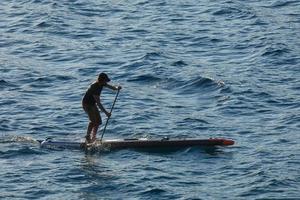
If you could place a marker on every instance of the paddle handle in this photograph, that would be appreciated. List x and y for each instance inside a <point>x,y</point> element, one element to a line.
<point>112,107</point>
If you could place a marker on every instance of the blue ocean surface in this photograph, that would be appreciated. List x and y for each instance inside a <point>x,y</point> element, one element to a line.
<point>189,69</point>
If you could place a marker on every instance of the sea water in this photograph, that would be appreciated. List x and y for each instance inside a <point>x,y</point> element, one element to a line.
<point>189,69</point>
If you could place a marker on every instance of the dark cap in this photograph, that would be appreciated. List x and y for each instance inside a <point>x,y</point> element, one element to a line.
<point>104,77</point>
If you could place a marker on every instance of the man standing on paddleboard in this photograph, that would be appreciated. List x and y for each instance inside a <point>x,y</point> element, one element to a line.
<point>90,102</point>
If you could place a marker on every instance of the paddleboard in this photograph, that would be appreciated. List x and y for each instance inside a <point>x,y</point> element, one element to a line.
<point>142,143</point>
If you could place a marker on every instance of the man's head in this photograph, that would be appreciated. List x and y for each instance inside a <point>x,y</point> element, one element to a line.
<point>103,78</point>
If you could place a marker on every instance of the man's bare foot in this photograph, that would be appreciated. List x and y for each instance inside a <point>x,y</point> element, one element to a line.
<point>88,139</point>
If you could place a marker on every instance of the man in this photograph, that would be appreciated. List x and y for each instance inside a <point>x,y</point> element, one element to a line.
<point>89,102</point>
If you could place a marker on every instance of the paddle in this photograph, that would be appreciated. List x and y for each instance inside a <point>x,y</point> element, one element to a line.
<point>112,107</point>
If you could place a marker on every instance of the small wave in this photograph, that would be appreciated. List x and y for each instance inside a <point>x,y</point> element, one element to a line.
<point>200,83</point>
<point>146,78</point>
<point>275,50</point>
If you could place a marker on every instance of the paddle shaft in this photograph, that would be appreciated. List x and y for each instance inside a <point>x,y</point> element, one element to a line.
<point>112,107</point>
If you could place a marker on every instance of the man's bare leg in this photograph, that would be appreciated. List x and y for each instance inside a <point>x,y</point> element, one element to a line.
<point>94,133</point>
<point>88,133</point>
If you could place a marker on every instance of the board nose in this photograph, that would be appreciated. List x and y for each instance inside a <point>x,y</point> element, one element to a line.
<point>228,142</point>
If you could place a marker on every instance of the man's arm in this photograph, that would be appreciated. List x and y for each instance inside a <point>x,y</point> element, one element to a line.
<point>113,87</point>
<point>100,106</point>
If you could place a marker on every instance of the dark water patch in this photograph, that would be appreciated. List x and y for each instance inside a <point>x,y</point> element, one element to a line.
<point>261,99</point>
<point>281,4</point>
<point>16,151</point>
<point>235,12</point>
<point>291,119</point>
<point>152,56</point>
<point>110,63</point>
<point>225,89</point>
<point>176,106</point>
<point>263,95</point>
<point>192,124</point>
<point>283,103</point>
<point>195,120</point>
<point>296,87</point>
<point>118,38</point>
<point>12,43</point>
<point>264,111</point>
<point>275,50</point>
<point>96,11</point>
<point>259,22</point>
<point>88,71</point>
<point>43,25</point>
<point>90,12</point>
<point>179,63</point>
<point>216,40</point>
<point>81,35</point>
<point>42,50</point>
<point>238,107</point>
<point>5,125</point>
<point>164,178</point>
<point>272,100</point>
<point>60,57</point>
<point>204,41</point>
<point>42,82</point>
<point>5,84</point>
<point>47,81</point>
<point>286,61</point>
<point>154,192</point>
<point>138,32</point>
<point>5,70</point>
<point>37,193</point>
<point>181,37</point>
<point>178,19</point>
<point>62,77</point>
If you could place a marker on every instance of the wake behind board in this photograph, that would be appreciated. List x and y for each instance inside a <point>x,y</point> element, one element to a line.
<point>143,143</point>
